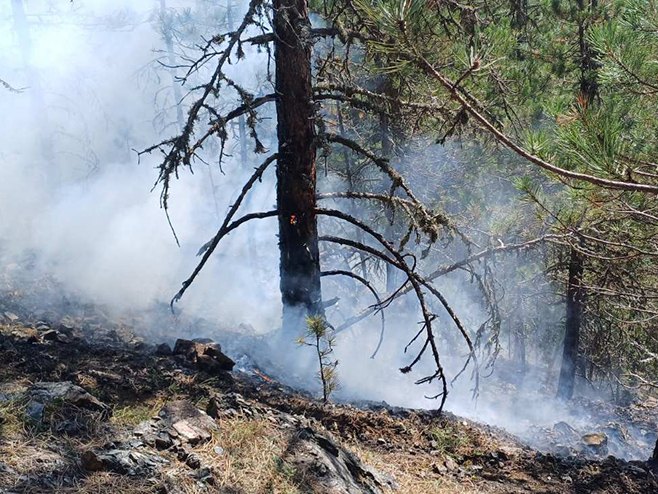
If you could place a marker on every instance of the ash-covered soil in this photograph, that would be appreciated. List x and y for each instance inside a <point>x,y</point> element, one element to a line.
<point>85,406</point>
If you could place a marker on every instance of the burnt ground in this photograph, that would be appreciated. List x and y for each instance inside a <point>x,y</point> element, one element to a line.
<point>127,419</point>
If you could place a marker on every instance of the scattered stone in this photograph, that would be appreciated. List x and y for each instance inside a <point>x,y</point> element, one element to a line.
<point>450,464</point>
<point>193,461</point>
<point>11,317</point>
<point>214,407</point>
<point>565,431</point>
<point>187,422</point>
<point>146,432</point>
<point>439,468</point>
<point>205,354</point>
<point>204,476</point>
<point>163,441</point>
<point>54,335</point>
<point>636,470</point>
<point>562,450</point>
<point>42,394</point>
<point>34,411</point>
<point>596,442</point>
<point>190,433</point>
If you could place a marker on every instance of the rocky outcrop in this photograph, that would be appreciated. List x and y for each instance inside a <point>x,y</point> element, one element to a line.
<point>332,469</point>
<point>42,394</point>
<point>122,459</point>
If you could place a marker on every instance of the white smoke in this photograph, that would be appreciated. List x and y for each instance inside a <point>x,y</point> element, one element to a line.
<point>74,197</point>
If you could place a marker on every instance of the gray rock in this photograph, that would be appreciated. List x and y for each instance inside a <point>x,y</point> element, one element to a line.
<point>333,469</point>
<point>163,349</point>
<point>439,468</point>
<point>54,335</point>
<point>42,394</point>
<point>596,442</point>
<point>11,317</point>
<point>450,464</point>
<point>187,422</point>
<point>205,354</point>
<point>125,461</point>
<point>190,433</point>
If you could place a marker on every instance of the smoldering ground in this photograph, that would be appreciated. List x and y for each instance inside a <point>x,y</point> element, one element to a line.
<point>78,203</point>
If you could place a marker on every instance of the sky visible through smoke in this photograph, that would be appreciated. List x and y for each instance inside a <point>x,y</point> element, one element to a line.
<point>77,202</point>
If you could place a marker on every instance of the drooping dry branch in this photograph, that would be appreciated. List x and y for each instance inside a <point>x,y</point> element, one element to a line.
<point>443,270</point>
<point>428,317</point>
<point>407,204</point>
<point>416,282</point>
<point>220,235</point>
<point>207,249</point>
<point>11,88</point>
<point>411,273</point>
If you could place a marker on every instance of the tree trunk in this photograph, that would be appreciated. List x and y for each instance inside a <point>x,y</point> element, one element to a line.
<point>575,294</point>
<point>39,109</point>
<point>386,88</point>
<point>295,171</point>
<point>171,60</point>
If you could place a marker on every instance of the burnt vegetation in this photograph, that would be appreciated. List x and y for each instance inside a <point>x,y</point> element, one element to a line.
<point>470,187</point>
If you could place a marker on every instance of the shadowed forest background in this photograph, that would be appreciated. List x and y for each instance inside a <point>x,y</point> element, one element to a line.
<point>424,203</point>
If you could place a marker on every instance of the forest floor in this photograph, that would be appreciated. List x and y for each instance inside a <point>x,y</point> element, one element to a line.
<point>87,408</point>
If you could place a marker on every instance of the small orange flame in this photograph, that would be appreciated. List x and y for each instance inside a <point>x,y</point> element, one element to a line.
<point>293,219</point>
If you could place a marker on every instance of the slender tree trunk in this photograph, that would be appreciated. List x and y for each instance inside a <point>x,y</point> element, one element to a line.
<point>386,88</point>
<point>171,60</point>
<point>296,171</point>
<point>39,110</point>
<point>349,178</point>
<point>575,295</point>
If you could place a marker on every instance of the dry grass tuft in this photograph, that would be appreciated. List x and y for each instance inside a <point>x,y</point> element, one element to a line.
<point>413,473</point>
<point>130,415</point>
<point>251,458</point>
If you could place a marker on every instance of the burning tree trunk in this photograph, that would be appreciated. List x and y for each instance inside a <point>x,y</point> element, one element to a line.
<point>296,172</point>
<point>572,333</point>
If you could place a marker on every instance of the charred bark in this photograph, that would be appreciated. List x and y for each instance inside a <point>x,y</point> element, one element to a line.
<point>296,170</point>
<point>574,306</point>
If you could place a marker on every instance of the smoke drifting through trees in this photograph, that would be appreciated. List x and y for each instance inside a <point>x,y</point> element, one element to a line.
<point>103,236</point>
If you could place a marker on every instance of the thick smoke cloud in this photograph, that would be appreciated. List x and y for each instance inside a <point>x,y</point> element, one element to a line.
<point>76,203</point>
<point>72,192</point>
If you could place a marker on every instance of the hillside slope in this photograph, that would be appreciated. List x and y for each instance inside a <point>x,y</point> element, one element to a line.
<point>100,411</point>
